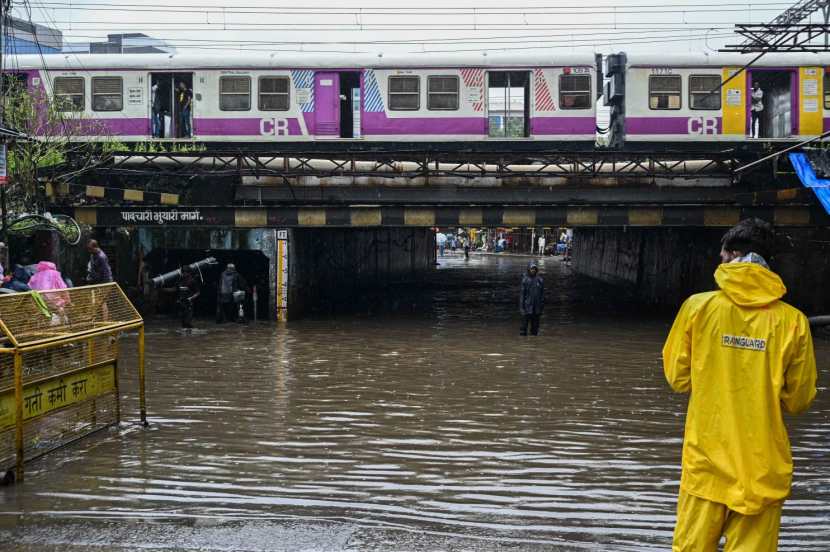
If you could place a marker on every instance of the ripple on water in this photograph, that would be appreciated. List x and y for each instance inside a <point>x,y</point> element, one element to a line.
<point>442,422</point>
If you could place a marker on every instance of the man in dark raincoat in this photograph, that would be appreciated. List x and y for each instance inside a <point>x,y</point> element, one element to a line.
<point>531,299</point>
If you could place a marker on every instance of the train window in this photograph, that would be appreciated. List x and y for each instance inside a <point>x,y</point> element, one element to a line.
<point>404,93</point>
<point>701,95</point>
<point>273,93</point>
<point>69,93</point>
<point>575,91</point>
<point>442,93</point>
<point>107,93</point>
<point>826,90</point>
<point>664,91</point>
<point>235,93</point>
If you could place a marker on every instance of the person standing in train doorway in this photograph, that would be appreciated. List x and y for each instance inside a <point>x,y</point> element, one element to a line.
<point>744,357</point>
<point>184,96</point>
<point>155,103</point>
<point>757,110</point>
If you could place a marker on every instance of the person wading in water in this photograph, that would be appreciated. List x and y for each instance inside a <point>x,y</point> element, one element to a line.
<point>531,299</point>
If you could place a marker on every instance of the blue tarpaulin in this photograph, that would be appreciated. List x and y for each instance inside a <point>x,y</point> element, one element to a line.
<point>805,172</point>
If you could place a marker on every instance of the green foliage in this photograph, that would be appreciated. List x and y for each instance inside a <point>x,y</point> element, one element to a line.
<point>188,147</point>
<point>51,133</point>
<point>113,145</point>
<point>174,147</point>
<point>66,226</point>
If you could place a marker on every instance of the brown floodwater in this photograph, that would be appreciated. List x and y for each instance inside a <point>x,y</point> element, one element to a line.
<point>421,421</point>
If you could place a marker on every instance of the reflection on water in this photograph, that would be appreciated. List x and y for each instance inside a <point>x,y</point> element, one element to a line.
<point>436,419</point>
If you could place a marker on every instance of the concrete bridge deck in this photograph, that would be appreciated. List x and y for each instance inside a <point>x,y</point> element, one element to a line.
<point>426,216</point>
<point>650,221</point>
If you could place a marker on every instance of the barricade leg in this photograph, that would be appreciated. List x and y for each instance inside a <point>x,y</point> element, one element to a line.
<point>141,394</point>
<point>18,408</point>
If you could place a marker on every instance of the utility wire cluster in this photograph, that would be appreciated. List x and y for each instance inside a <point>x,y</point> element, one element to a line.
<point>569,26</point>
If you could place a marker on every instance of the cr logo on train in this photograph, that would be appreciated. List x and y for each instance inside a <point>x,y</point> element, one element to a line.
<point>273,127</point>
<point>702,125</point>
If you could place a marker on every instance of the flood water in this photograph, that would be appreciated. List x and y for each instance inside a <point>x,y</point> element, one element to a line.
<point>424,424</point>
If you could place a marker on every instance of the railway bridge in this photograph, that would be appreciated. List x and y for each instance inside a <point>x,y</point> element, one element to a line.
<point>308,224</point>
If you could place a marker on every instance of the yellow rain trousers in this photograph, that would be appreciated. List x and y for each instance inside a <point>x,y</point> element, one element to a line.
<point>744,356</point>
<point>700,524</point>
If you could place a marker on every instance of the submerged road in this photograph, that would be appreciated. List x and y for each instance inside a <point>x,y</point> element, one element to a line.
<point>423,422</point>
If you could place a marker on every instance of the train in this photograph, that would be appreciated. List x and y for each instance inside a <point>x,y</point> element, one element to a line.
<point>503,100</point>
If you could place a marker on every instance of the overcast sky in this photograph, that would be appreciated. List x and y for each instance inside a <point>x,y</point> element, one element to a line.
<point>408,26</point>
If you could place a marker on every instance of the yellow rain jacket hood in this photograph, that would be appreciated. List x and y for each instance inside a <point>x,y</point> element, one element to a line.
<point>744,356</point>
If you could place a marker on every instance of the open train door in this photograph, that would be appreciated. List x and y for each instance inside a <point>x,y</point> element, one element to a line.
<point>508,104</point>
<point>171,105</point>
<point>779,98</point>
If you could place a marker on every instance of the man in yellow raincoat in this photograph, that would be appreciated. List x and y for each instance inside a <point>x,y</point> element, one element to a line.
<point>744,356</point>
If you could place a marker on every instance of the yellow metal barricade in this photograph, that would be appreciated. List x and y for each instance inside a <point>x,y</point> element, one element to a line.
<point>59,367</point>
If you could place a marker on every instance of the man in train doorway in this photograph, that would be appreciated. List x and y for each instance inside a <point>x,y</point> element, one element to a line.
<point>757,110</point>
<point>184,97</point>
<point>155,109</point>
<point>744,356</point>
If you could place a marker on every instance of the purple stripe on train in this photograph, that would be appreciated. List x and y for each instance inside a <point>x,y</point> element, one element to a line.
<point>377,123</point>
<point>540,126</point>
<point>373,124</point>
<point>674,125</point>
<point>265,126</point>
<point>125,126</point>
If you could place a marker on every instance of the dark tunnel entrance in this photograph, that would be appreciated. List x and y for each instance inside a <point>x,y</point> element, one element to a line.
<point>253,266</point>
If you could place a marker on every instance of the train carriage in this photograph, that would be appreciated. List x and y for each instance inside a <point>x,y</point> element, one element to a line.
<point>276,98</point>
<point>668,98</point>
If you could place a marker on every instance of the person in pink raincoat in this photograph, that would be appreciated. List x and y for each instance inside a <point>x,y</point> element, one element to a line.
<point>47,277</point>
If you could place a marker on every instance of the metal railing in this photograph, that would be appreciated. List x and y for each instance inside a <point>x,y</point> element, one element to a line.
<point>59,353</point>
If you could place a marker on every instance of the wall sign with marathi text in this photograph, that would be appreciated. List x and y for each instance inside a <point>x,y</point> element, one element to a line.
<point>154,216</point>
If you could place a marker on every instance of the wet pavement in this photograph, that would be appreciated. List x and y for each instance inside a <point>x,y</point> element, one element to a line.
<point>422,423</point>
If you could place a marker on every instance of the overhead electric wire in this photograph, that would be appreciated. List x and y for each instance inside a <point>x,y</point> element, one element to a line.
<point>371,10</point>
<point>564,42</point>
<point>382,26</point>
<point>485,39</point>
<point>601,32</point>
<point>472,11</point>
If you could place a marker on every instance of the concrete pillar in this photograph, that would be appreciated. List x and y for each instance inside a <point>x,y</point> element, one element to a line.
<point>659,266</point>
<point>663,266</point>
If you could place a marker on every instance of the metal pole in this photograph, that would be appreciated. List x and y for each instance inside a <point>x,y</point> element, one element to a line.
<point>117,393</point>
<point>783,151</point>
<point>117,355</point>
<point>5,220</point>
<point>18,414</point>
<point>142,399</point>
<point>3,203</point>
